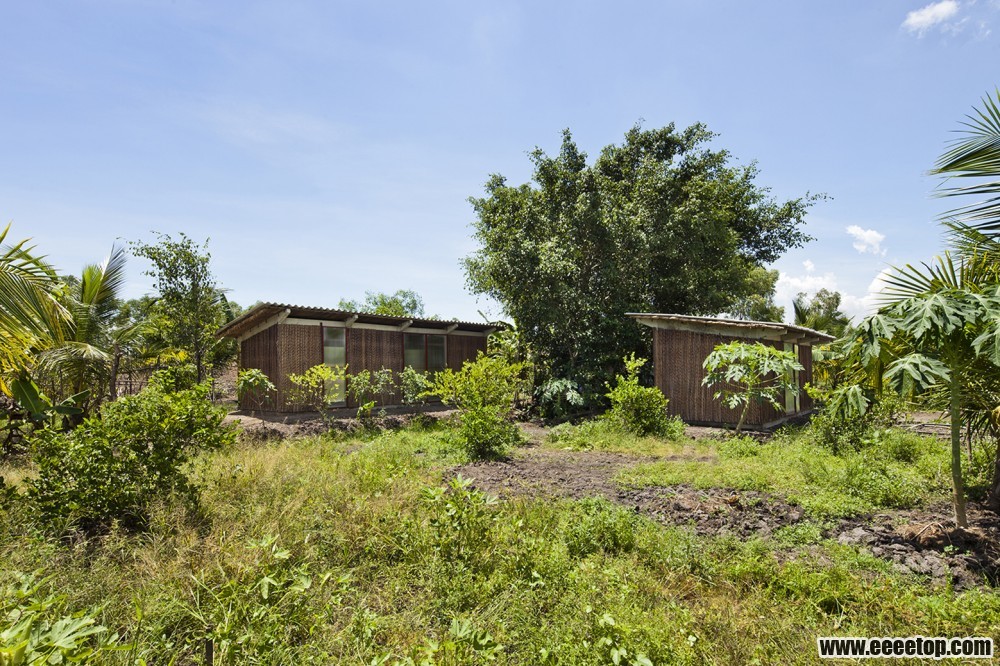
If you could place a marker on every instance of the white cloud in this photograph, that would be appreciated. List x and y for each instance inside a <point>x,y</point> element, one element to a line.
<point>810,266</point>
<point>921,20</point>
<point>867,304</point>
<point>867,240</point>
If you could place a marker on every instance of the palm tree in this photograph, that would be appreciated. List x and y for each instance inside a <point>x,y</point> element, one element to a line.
<point>29,298</point>
<point>85,355</point>
<point>976,155</point>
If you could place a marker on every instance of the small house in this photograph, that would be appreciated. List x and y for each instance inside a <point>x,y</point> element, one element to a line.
<point>680,345</point>
<point>283,339</point>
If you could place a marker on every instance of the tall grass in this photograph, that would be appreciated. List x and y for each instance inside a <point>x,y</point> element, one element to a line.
<point>320,551</point>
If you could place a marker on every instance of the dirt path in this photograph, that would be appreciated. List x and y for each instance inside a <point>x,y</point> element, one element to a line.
<point>917,541</point>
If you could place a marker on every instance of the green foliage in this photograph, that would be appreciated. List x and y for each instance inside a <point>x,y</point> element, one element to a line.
<point>35,628</point>
<point>601,434</point>
<point>750,373</point>
<point>595,525</point>
<point>635,408</point>
<point>40,409</point>
<point>366,387</point>
<point>559,397</point>
<point>254,386</point>
<point>175,378</point>
<point>484,391</point>
<point>29,298</point>
<point>115,467</point>
<point>821,312</point>
<point>758,303</point>
<point>319,388</point>
<point>660,223</point>
<point>190,305</point>
<point>413,385</point>
<point>402,303</point>
<point>258,611</point>
<point>851,418</point>
<point>462,519</point>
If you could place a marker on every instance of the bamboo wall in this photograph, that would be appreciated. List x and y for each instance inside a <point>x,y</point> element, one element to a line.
<point>462,348</point>
<point>261,351</point>
<point>369,349</point>
<point>298,349</point>
<point>677,362</point>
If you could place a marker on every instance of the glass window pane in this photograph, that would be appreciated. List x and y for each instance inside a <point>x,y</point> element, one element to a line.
<point>414,353</point>
<point>335,354</point>
<point>435,353</point>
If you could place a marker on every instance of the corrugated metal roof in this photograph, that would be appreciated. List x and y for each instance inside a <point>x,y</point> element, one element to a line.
<point>716,323</point>
<point>264,311</point>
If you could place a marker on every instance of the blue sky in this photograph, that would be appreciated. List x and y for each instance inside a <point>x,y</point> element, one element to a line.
<point>329,148</point>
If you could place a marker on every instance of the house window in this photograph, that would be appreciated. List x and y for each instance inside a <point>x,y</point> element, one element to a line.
<point>335,355</point>
<point>426,353</point>
<point>792,404</point>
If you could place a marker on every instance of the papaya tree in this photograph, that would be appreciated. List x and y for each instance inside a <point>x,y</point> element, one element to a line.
<point>749,373</point>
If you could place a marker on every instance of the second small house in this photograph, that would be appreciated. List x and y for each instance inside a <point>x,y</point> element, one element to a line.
<point>283,339</point>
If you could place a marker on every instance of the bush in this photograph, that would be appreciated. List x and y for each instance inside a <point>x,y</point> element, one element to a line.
<point>413,386</point>
<point>841,426</point>
<point>115,467</point>
<point>320,388</point>
<point>484,391</point>
<point>366,386</point>
<point>639,409</point>
<point>255,386</point>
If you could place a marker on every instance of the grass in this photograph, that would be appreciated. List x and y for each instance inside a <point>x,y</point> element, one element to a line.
<point>900,470</point>
<point>365,551</point>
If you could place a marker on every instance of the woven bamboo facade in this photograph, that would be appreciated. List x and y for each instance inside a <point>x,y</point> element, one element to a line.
<point>282,340</point>
<point>680,346</point>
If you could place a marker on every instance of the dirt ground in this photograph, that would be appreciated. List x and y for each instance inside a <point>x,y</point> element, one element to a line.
<point>916,541</point>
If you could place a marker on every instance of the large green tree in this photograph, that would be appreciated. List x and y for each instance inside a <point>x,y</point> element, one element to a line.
<point>662,222</point>
<point>190,307</point>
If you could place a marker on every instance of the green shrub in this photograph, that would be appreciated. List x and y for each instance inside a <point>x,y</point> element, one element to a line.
<point>255,386</point>
<point>638,409</point>
<point>175,378</point>
<point>320,388</point>
<point>740,446</point>
<point>368,386</point>
<point>485,433</point>
<point>484,391</point>
<point>116,466</point>
<point>852,425</point>
<point>413,386</point>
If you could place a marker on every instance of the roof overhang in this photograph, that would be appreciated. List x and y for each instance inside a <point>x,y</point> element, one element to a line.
<point>736,328</point>
<point>264,315</point>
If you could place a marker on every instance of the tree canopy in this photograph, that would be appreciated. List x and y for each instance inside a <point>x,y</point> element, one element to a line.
<point>659,223</point>
<point>190,306</point>
<point>402,303</point>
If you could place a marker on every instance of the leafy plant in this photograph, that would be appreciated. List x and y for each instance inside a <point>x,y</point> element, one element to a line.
<point>42,411</point>
<point>36,629</point>
<point>559,397</point>
<point>116,466</point>
<point>320,388</point>
<point>254,386</point>
<point>638,409</point>
<point>750,373</point>
<point>484,391</point>
<point>413,385</point>
<point>368,386</point>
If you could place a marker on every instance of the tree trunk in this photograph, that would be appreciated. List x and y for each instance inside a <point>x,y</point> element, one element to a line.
<point>993,498</point>
<point>958,487</point>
